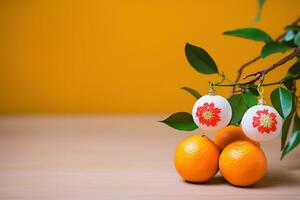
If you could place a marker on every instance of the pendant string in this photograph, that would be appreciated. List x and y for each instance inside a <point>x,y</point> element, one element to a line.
<point>213,84</point>
<point>260,91</point>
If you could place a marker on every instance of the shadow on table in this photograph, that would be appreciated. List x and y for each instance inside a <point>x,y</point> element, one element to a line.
<point>278,178</point>
<point>218,179</point>
<point>272,179</point>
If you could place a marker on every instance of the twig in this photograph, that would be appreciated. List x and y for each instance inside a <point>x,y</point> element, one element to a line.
<point>261,74</point>
<point>279,82</point>
<point>264,84</point>
<point>240,70</point>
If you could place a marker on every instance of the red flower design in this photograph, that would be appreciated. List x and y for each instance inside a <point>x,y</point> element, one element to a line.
<point>208,114</point>
<point>264,121</point>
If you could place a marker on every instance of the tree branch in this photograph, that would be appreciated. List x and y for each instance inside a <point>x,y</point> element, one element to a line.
<point>261,74</point>
<point>240,70</point>
<point>265,84</point>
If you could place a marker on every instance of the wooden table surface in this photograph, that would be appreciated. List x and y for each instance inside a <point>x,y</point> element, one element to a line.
<point>116,157</point>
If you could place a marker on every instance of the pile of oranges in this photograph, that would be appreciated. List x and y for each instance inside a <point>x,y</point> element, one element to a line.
<point>240,160</point>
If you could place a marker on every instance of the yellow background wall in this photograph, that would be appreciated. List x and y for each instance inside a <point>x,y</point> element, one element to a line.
<point>89,56</point>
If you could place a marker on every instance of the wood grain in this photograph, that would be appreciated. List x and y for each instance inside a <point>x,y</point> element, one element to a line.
<point>116,157</point>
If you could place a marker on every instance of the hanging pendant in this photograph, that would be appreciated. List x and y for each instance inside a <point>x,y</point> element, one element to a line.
<point>262,122</point>
<point>211,112</point>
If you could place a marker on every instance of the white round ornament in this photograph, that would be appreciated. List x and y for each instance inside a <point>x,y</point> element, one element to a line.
<point>262,123</point>
<point>211,112</point>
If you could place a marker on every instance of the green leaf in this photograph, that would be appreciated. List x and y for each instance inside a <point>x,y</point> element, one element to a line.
<point>182,121</point>
<point>293,27</point>
<point>250,99</point>
<point>282,101</point>
<point>200,59</point>
<point>260,6</point>
<point>289,36</point>
<point>273,47</point>
<point>193,92</point>
<point>293,142</point>
<point>285,129</point>
<point>296,122</point>
<point>290,43</point>
<point>238,106</point>
<point>289,84</point>
<point>252,90</point>
<point>250,33</point>
<point>293,71</point>
<point>297,39</point>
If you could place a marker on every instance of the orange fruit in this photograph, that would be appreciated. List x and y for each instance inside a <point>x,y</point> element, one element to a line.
<point>196,158</point>
<point>230,134</point>
<point>242,163</point>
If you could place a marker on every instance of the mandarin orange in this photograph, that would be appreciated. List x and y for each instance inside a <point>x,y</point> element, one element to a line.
<point>242,163</point>
<point>196,159</point>
<point>230,134</point>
